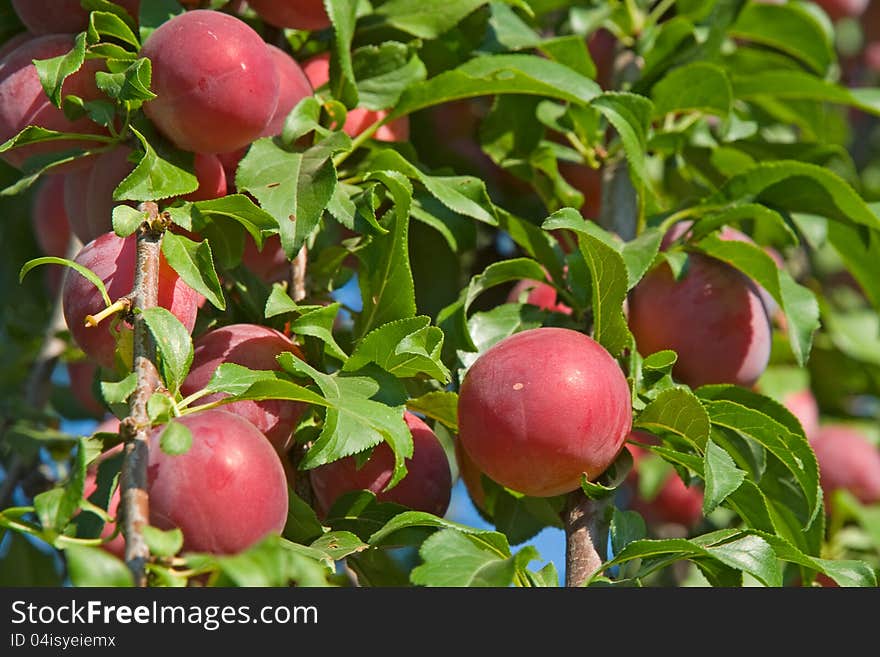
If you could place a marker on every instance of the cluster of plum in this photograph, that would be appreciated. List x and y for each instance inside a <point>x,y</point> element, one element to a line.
<point>213,102</point>
<point>536,411</point>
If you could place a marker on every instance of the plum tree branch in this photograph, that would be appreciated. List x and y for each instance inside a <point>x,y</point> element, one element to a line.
<point>585,530</point>
<point>134,501</point>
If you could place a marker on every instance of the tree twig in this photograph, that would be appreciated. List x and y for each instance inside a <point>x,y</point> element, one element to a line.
<point>135,429</point>
<point>300,263</point>
<point>585,536</point>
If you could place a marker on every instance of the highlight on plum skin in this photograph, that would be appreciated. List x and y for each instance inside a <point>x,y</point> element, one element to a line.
<point>543,407</point>
<point>210,99</point>
<point>226,493</point>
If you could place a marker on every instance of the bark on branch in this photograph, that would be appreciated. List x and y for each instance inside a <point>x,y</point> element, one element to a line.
<point>585,535</point>
<point>135,429</point>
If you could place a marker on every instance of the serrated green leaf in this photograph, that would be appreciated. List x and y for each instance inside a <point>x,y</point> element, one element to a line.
<point>237,207</point>
<point>173,344</point>
<point>54,71</point>
<point>453,318</point>
<point>154,177</point>
<point>721,475</point>
<point>861,253</point>
<point>160,408</point>
<point>318,323</point>
<point>175,439</point>
<point>131,85</point>
<point>625,527</point>
<point>105,23</point>
<point>790,448</point>
<point>437,405</point>
<point>798,85</point>
<point>163,543</point>
<point>700,86</point>
<point>119,392</point>
<point>126,220</point>
<point>87,273</point>
<point>194,262</point>
<point>799,187</point>
<point>679,411</point>
<point>88,566</point>
<point>56,507</point>
<point>405,348</point>
<point>343,15</point>
<point>384,71</point>
<point>411,17</point>
<point>339,544</point>
<point>451,558</point>
<point>355,421</point>
<point>294,188</point>
<point>789,28</point>
<point>387,287</point>
<point>499,74</point>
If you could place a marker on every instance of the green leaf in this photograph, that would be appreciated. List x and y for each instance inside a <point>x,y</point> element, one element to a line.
<point>317,322</point>
<point>789,28</point>
<point>126,220</point>
<point>721,475</point>
<point>398,530</point>
<point>638,255</point>
<point>173,343</point>
<point>383,72</point>
<point>792,449</point>
<point>630,114</point>
<point>411,16</point>
<point>339,544</point>
<point>355,421</point>
<point>798,187</point>
<point>437,405</point>
<point>112,25</point>
<point>798,85</point>
<point>155,178</point>
<point>53,72</point>
<point>343,15</point>
<point>87,273</point>
<point>237,207</point>
<point>451,558</point>
<point>453,319</point>
<point>25,562</point>
<point>359,513</point>
<point>679,411</point>
<point>88,566</point>
<point>405,348</point>
<point>625,527</point>
<point>737,550</point>
<point>797,302</point>
<point>195,264</point>
<point>294,188</point>
<point>118,392</point>
<point>56,507</point>
<point>175,439</point>
<point>700,86</point>
<point>163,543</point>
<point>271,562</point>
<point>861,254</point>
<point>131,85</point>
<point>160,408</point>
<point>302,524</point>
<point>499,74</point>
<point>386,281</point>
<point>608,274</point>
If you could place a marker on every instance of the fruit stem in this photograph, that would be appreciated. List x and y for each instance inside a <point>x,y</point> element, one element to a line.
<point>585,529</point>
<point>119,306</point>
<point>134,502</point>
